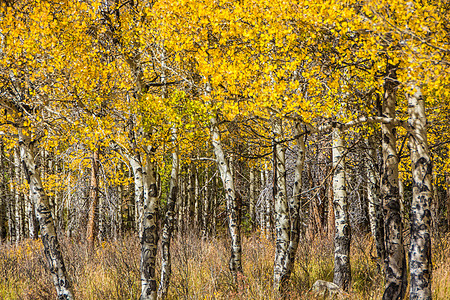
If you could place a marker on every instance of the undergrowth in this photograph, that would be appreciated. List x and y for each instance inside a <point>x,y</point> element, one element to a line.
<point>199,269</point>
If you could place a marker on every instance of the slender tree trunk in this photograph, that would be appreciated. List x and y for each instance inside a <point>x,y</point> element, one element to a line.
<point>146,196</point>
<point>375,211</point>
<point>434,207</point>
<point>181,200</point>
<point>190,199</point>
<point>231,201</point>
<point>331,222</point>
<point>282,220</point>
<point>252,199</point>
<point>342,237</point>
<point>205,206</point>
<point>3,197</point>
<point>49,237</point>
<point>197,205</point>
<point>215,203</point>
<point>262,208</point>
<point>11,225</point>
<point>420,216</point>
<point>268,207</point>
<point>91,233</point>
<point>401,197</point>
<point>166,267</point>
<point>17,197</point>
<point>3,229</point>
<point>294,203</point>
<point>32,221</point>
<point>149,236</point>
<point>447,181</point>
<point>136,166</point>
<point>395,261</point>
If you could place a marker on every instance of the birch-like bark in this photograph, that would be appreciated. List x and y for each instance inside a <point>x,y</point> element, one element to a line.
<point>434,207</point>
<point>401,196</point>
<point>262,210</point>
<point>268,207</point>
<point>252,198</point>
<point>205,206</point>
<point>190,199</point>
<point>17,198</point>
<point>149,236</point>
<point>395,261</point>
<point>282,221</point>
<point>342,237</point>
<point>136,166</point>
<point>181,201</point>
<point>215,203</point>
<point>49,237</point>
<point>420,216</point>
<point>147,201</point>
<point>91,232</point>
<point>3,193</point>
<point>166,267</point>
<point>295,202</point>
<point>33,226</point>
<point>230,195</point>
<point>3,219</point>
<point>375,211</point>
<point>197,203</point>
<point>447,181</point>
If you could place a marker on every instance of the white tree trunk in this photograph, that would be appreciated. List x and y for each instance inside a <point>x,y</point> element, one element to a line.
<point>149,237</point>
<point>282,220</point>
<point>295,201</point>
<point>395,261</point>
<point>166,267</point>
<point>342,237</point>
<point>230,194</point>
<point>420,216</point>
<point>375,208</point>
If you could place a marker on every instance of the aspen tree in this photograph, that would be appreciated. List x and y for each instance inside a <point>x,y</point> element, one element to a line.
<point>342,237</point>
<point>281,209</point>
<point>169,220</point>
<point>295,200</point>
<point>395,262</point>
<point>45,218</point>
<point>373,195</point>
<point>235,263</point>
<point>92,225</point>
<point>421,167</point>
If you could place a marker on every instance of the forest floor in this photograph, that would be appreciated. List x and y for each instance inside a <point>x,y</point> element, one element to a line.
<point>200,269</point>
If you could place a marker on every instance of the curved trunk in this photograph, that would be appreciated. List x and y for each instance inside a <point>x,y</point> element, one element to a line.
<point>420,216</point>
<point>342,237</point>
<point>49,237</point>
<point>395,261</point>
<point>233,213</point>
<point>166,267</point>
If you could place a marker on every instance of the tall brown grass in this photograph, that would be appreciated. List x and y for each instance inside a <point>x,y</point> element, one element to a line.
<point>200,269</point>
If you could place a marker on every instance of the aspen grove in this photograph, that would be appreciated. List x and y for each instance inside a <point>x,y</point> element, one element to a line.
<point>209,149</point>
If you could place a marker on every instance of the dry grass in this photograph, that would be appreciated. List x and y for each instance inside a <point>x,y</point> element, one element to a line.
<point>200,269</point>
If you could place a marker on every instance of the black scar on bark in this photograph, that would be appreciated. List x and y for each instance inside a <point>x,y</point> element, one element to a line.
<point>152,286</point>
<point>153,192</point>
<point>27,173</point>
